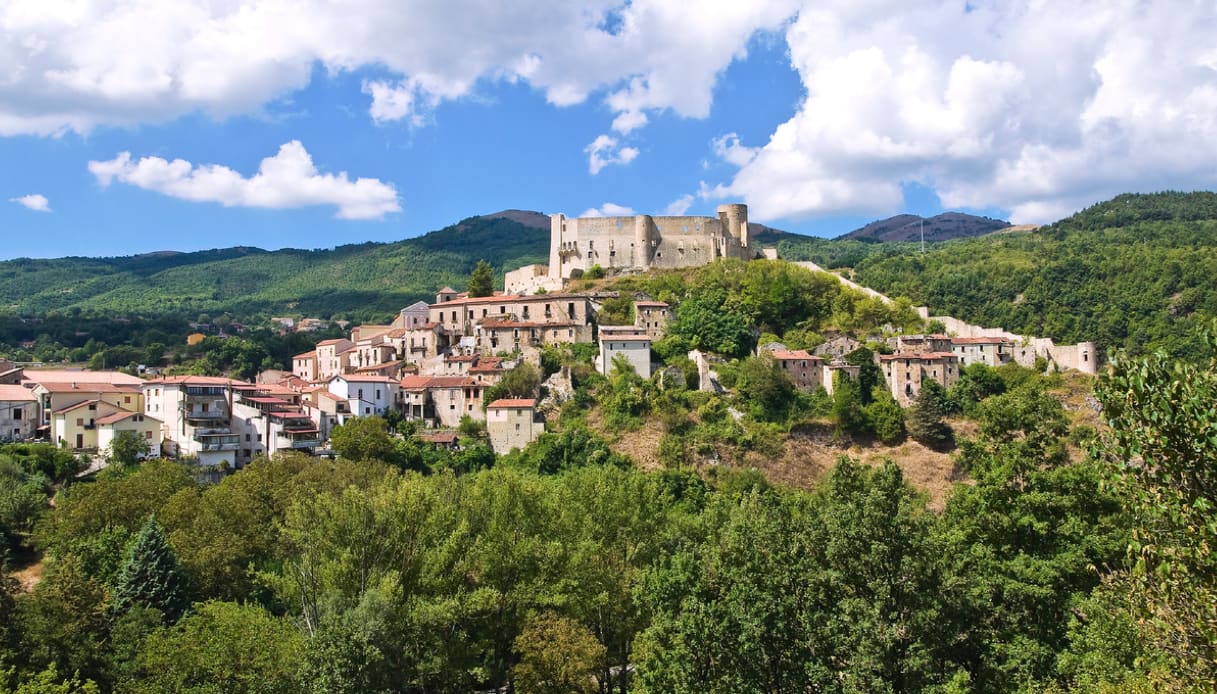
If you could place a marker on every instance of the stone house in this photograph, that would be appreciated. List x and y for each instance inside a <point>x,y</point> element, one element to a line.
<point>907,371</point>
<point>512,424</point>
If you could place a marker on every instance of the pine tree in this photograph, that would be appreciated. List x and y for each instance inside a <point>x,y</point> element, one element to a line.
<point>481,282</point>
<point>925,423</point>
<point>150,576</point>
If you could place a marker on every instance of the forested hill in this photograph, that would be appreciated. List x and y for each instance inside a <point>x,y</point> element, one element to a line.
<point>942,227</point>
<point>1136,272</point>
<point>364,281</point>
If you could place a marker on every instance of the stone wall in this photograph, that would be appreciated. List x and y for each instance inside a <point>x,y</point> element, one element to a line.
<point>642,242</point>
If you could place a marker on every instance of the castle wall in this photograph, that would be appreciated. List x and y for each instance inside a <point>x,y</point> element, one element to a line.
<point>642,242</point>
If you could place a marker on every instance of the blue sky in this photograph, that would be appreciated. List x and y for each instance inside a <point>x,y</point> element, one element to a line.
<point>384,120</point>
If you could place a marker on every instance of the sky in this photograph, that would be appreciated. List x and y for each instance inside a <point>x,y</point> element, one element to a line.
<point>131,126</point>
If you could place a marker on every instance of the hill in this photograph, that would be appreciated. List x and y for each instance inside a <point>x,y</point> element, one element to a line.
<point>942,227</point>
<point>1136,272</point>
<point>363,281</point>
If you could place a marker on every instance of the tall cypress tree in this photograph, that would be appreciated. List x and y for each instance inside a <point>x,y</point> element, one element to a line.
<point>150,576</point>
<point>481,282</point>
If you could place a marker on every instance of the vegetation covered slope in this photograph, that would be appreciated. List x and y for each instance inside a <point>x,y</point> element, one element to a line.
<point>1136,272</point>
<point>359,281</point>
<point>942,227</point>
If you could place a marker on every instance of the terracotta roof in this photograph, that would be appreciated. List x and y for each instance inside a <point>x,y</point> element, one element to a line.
<point>334,341</point>
<point>651,304</point>
<point>447,290</point>
<point>980,340</point>
<point>459,357</point>
<point>120,416</point>
<point>438,437</point>
<point>783,355</point>
<point>919,356</point>
<point>15,393</point>
<point>493,323</point>
<point>365,378</point>
<point>508,402</point>
<point>197,381</point>
<point>306,355</point>
<point>397,332</point>
<point>78,405</point>
<point>45,376</point>
<point>451,382</point>
<point>508,299</point>
<point>88,388</point>
<point>625,338</point>
<point>414,382</point>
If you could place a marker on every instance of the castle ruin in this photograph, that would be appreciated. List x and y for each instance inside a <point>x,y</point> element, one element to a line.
<point>643,242</point>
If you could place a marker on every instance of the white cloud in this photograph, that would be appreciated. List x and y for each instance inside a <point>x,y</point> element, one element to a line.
<point>73,66</point>
<point>1038,108</point>
<point>287,180</point>
<point>603,151</point>
<point>679,206</point>
<point>608,209</point>
<point>34,201</point>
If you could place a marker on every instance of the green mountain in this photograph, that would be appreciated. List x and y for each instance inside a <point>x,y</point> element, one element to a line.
<point>942,227</point>
<point>1137,272</point>
<point>363,281</point>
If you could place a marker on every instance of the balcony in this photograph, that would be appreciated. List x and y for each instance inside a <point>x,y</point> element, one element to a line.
<point>205,415</point>
<point>217,442</point>
<point>300,439</point>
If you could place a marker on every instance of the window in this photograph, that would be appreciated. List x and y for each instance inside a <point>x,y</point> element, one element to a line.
<point>16,413</point>
<point>127,399</point>
<point>80,421</point>
<point>247,437</point>
<point>148,435</point>
<point>259,438</point>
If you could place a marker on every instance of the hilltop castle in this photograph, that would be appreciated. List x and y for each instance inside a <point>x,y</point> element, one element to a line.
<point>636,244</point>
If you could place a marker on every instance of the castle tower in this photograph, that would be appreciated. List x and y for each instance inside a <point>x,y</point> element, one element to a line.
<point>556,223</point>
<point>734,219</point>
<point>642,241</point>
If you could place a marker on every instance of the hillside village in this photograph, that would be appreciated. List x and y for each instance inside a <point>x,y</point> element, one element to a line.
<point>434,363</point>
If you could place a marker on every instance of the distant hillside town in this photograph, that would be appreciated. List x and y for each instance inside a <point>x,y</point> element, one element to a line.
<point>434,363</point>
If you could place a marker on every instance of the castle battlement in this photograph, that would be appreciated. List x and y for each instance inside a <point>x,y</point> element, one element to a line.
<point>643,242</point>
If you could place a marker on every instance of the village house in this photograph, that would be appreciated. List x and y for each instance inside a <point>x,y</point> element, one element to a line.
<point>504,323</point>
<point>907,371</point>
<point>197,416</point>
<point>635,347</point>
<point>268,425</point>
<point>414,316</point>
<point>990,351</point>
<point>512,424</point>
<point>329,358</point>
<point>141,425</point>
<point>652,318</point>
<point>19,414</point>
<point>837,347</point>
<point>305,365</point>
<point>365,395</point>
<point>923,343</point>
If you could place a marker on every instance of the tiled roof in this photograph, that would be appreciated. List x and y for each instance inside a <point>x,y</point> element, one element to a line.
<point>508,402</point>
<point>120,416</point>
<point>613,337</point>
<point>45,376</point>
<point>508,299</point>
<point>89,388</point>
<point>919,356</point>
<point>16,393</point>
<point>196,381</point>
<point>651,304</point>
<point>783,355</point>
<point>306,355</point>
<point>980,340</point>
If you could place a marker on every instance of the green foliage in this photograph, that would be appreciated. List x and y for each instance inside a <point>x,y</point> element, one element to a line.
<point>765,389</point>
<point>1162,450</point>
<point>524,381</point>
<point>150,577</point>
<point>127,448</point>
<point>847,412</point>
<point>595,272</point>
<point>885,417</point>
<point>364,438</point>
<point>198,654</point>
<point>925,417</point>
<point>481,281</point>
<point>571,448</point>
<point>558,655</point>
<point>1133,273</point>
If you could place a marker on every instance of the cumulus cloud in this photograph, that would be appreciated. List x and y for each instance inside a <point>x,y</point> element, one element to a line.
<point>679,206</point>
<point>1036,108</point>
<point>287,180</point>
<point>604,151</point>
<point>608,209</point>
<point>34,201</point>
<point>73,66</point>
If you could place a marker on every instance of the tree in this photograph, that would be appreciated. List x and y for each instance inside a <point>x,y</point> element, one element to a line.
<point>221,647</point>
<point>847,410</point>
<point>128,448</point>
<point>765,389</point>
<point>481,281</point>
<point>885,416</point>
<point>1164,453</point>
<point>925,420</point>
<point>150,576</point>
<point>524,381</point>
<point>557,656</point>
<point>364,438</point>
